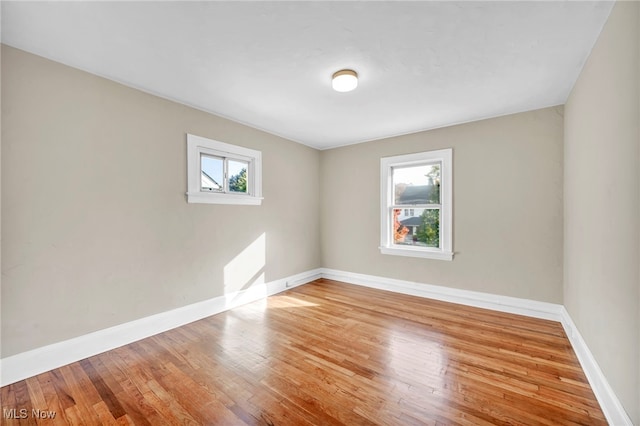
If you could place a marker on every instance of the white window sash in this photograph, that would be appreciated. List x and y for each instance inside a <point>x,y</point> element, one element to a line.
<point>198,146</point>
<point>387,244</point>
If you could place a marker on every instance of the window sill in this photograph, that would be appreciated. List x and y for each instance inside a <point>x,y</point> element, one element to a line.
<point>212,198</point>
<point>423,253</point>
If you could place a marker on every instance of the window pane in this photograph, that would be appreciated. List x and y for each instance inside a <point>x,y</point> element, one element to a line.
<point>238,176</point>
<point>211,173</point>
<point>416,184</point>
<point>421,230</point>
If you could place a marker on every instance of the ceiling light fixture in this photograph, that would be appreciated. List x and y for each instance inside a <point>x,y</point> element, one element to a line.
<point>344,80</point>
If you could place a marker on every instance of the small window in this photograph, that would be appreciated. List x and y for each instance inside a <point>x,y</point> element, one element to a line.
<point>424,182</point>
<point>221,173</point>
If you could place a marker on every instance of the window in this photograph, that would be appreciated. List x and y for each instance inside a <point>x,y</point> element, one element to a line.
<point>422,181</point>
<point>221,173</point>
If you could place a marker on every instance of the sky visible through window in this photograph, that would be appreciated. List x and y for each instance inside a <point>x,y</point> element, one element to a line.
<point>235,167</point>
<point>411,175</point>
<point>414,175</point>
<point>213,166</point>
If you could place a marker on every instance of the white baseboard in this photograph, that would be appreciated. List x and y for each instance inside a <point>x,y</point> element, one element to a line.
<point>513,305</point>
<point>40,360</point>
<point>609,402</point>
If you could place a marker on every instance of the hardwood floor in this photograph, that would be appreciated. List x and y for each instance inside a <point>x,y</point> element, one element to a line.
<point>322,354</point>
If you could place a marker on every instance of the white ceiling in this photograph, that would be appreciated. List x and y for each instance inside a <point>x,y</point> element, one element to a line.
<point>268,64</point>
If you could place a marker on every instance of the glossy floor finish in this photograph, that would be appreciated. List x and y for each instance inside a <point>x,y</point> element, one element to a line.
<point>321,354</point>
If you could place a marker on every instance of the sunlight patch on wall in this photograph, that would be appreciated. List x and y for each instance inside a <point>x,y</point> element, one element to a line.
<point>246,270</point>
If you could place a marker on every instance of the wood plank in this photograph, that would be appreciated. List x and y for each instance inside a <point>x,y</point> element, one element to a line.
<point>327,353</point>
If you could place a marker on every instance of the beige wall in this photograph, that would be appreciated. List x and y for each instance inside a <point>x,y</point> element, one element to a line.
<point>602,204</point>
<point>95,227</point>
<point>507,217</point>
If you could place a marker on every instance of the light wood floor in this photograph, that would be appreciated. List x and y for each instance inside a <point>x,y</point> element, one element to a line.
<point>326,353</point>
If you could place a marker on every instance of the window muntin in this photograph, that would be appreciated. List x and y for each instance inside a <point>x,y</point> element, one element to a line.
<point>422,181</point>
<point>221,173</point>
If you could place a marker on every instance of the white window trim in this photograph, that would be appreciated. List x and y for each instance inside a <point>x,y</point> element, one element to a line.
<point>196,146</point>
<point>445,252</point>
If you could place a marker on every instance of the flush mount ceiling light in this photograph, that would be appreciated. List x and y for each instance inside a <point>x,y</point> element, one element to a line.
<point>344,80</point>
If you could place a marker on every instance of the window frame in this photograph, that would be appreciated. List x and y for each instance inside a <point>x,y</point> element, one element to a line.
<point>197,146</point>
<point>387,246</point>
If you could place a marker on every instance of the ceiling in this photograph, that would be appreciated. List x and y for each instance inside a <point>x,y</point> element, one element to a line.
<point>268,64</point>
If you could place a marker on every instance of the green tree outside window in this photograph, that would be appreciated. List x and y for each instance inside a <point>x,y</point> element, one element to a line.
<point>238,183</point>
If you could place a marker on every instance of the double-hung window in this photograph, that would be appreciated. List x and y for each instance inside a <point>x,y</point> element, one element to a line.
<point>221,173</point>
<point>416,205</point>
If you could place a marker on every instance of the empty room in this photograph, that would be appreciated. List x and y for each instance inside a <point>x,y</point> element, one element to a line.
<point>320,213</point>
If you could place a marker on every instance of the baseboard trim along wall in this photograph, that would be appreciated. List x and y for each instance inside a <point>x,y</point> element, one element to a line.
<point>609,402</point>
<point>27,364</point>
<point>514,305</point>
<point>40,360</point>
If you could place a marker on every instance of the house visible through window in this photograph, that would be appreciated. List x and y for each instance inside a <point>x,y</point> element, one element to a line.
<point>422,181</point>
<point>408,212</point>
<point>221,173</point>
<point>212,170</point>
